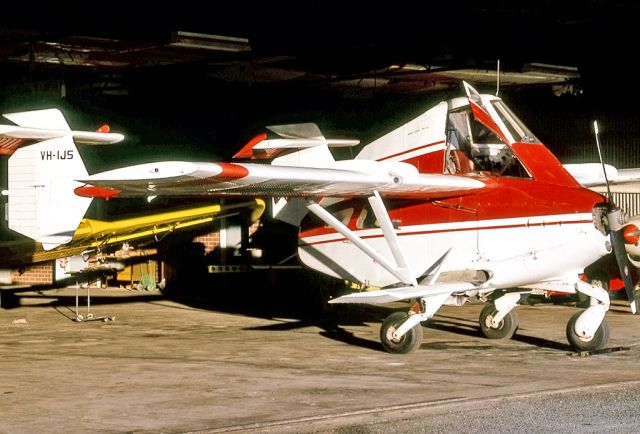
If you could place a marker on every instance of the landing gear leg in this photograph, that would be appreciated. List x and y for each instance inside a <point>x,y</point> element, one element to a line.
<point>588,330</point>
<point>498,319</point>
<point>405,343</point>
<point>401,332</point>
<point>594,342</point>
<point>599,279</point>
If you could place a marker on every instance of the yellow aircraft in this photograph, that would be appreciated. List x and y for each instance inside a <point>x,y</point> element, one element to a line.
<point>94,236</point>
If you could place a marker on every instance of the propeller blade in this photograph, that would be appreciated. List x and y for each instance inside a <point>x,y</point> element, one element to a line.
<point>616,219</point>
<point>625,269</point>
<point>617,236</point>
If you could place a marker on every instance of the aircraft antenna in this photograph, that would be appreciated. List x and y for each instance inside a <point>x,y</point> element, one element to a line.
<point>498,78</point>
<point>604,170</point>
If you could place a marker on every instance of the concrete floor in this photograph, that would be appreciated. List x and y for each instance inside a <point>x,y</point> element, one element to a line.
<point>247,365</point>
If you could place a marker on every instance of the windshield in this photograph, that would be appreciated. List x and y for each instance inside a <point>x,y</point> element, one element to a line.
<point>516,128</point>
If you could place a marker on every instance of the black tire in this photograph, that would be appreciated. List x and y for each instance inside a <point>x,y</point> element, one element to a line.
<point>407,343</point>
<point>599,339</point>
<point>507,327</point>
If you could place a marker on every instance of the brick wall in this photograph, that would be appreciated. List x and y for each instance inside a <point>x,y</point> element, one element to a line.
<point>42,274</point>
<point>37,274</point>
<point>210,241</point>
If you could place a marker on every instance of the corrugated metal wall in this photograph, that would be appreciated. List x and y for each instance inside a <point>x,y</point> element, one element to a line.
<point>619,140</point>
<point>629,202</point>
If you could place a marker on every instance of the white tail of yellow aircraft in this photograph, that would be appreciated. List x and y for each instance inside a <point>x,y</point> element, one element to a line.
<point>43,165</point>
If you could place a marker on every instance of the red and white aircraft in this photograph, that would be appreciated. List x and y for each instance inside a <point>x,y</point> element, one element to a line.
<point>462,203</point>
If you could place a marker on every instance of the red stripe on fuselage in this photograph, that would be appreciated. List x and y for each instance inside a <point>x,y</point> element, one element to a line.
<point>507,198</point>
<point>437,231</point>
<point>411,150</point>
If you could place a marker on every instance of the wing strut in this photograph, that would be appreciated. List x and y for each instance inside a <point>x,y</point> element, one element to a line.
<point>400,272</point>
<point>390,235</point>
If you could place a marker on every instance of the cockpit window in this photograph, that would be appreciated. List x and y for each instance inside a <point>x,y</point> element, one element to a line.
<point>367,219</point>
<point>472,147</point>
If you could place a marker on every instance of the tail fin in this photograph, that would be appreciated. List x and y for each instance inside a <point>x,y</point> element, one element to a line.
<point>42,203</point>
<point>420,141</point>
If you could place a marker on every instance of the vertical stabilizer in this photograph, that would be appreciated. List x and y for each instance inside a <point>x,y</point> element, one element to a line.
<point>316,156</point>
<point>421,142</point>
<point>42,203</point>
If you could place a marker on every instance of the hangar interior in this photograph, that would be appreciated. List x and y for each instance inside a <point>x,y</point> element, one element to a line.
<point>192,85</point>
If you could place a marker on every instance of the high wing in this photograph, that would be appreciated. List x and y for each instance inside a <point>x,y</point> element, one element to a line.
<point>301,166</point>
<point>343,179</point>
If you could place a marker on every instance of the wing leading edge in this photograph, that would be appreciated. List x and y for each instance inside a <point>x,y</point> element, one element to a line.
<point>178,178</point>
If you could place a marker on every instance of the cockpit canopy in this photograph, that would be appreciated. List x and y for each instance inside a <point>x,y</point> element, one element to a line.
<point>471,146</point>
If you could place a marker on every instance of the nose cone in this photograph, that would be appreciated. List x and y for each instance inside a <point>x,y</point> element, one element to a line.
<point>631,235</point>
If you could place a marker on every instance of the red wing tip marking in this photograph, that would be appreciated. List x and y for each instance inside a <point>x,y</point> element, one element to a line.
<point>104,129</point>
<point>230,171</point>
<point>247,150</point>
<point>97,192</point>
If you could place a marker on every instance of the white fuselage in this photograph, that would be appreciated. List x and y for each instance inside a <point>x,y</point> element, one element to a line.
<point>515,251</point>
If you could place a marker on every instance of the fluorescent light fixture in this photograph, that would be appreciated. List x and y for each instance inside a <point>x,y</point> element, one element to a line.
<point>204,41</point>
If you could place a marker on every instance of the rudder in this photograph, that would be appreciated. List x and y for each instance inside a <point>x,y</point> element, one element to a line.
<point>42,204</point>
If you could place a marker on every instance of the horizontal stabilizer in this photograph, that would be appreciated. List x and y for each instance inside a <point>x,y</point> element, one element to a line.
<point>46,124</point>
<point>86,137</point>
<point>311,133</point>
<point>49,119</point>
<point>50,242</point>
<point>292,137</point>
<point>307,130</point>
<point>403,293</point>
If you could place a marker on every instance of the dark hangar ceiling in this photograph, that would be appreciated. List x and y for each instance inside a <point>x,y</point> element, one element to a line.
<point>403,46</point>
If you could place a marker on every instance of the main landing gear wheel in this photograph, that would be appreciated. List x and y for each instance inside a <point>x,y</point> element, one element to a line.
<point>505,329</point>
<point>578,343</point>
<point>407,343</point>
